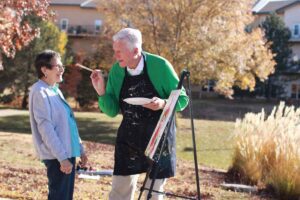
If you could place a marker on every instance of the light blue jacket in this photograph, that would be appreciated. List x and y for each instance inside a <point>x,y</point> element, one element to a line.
<point>49,123</point>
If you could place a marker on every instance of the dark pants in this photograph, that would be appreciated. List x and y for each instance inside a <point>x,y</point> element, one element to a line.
<point>60,185</point>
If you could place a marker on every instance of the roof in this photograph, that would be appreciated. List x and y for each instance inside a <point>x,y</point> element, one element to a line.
<point>89,3</point>
<point>287,6</point>
<point>81,3</point>
<point>275,6</point>
<point>67,2</point>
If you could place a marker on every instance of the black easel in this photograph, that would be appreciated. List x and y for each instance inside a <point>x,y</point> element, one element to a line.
<point>154,163</point>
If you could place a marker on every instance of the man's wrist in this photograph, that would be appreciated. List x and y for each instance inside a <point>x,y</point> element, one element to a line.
<point>101,95</point>
<point>165,101</point>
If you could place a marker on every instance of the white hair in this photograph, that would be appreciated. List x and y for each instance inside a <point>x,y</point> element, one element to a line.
<point>132,37</point>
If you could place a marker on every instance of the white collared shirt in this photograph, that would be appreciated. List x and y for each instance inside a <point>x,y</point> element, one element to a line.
<point>138,70</point>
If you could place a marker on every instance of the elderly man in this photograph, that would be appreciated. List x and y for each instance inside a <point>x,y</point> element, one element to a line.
<point>137,74</point>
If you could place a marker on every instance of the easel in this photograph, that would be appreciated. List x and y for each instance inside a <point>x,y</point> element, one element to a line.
<point>154,163</point>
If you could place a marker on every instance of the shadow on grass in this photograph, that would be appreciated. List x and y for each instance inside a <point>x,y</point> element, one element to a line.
<point>90,129</point>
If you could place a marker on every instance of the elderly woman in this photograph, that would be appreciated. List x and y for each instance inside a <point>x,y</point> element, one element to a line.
<point>53,126</point>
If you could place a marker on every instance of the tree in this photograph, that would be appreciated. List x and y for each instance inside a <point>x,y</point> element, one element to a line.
<point>103,57</point>
<point>20,73</point>
<point>85,91</point>
<point>15,31</point>
<point>278,35</point>
<point>207,36</point>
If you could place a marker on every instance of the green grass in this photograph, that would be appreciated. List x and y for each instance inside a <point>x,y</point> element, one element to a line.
<point>213,139</point>
<point>214,147</point>
<point>15,123</point>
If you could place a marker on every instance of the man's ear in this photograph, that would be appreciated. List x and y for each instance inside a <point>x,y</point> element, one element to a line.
<point>135,50</point>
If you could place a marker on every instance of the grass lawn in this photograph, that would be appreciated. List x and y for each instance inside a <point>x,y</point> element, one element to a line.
<point>214,147</point>
<point>22,176</point>
<point>213,139</point>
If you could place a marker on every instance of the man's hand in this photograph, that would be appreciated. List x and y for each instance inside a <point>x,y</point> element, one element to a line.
<point>98,82</point>
<point>83,160</point>
<point>156,104</point>
<point>66,166</point>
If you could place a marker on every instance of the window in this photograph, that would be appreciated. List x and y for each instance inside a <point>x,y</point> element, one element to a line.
<point>295,91</point>
<point>98,24</point>
<point>64,24</point>
<point>296,30</point>
<point>209,87</point>
<point>298,92</point>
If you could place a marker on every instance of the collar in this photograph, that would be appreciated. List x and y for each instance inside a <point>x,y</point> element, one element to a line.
<point>52,90</point>
<point>55,87</point>
<point>139,69</point>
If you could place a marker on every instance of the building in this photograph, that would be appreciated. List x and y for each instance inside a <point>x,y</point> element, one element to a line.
<point>81,21</point>
<point>289,11</point>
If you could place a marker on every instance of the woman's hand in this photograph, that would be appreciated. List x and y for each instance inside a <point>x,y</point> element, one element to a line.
<point>83,160</point>
<point>66,166</point>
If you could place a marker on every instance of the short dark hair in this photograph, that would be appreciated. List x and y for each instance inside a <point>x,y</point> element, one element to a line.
<point>44,59</point>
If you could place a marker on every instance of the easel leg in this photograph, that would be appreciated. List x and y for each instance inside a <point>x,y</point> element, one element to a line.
<point>150,189</point>
<point>145,181</point>
<point>194,139</point>
<point>155,168</point>
<point>143,187</point>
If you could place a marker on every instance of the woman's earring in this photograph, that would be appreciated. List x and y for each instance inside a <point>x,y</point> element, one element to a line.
<point>45,75</point>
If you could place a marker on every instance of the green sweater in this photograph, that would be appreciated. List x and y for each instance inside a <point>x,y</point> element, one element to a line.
<point>161,74</point>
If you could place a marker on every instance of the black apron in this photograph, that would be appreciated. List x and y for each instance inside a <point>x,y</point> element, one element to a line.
<point>136,130</point>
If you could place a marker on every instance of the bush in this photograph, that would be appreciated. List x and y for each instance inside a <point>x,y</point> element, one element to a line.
<point>267,150</point>
<point>6,98</point>
<point>86,95</point>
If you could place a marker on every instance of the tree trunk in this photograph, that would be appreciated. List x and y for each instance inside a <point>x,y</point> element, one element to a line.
<point>268,91</point>
<point>26,86</point>
<point>25,97</point>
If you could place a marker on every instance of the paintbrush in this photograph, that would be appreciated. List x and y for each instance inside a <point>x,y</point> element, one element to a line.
<point>83,67</point>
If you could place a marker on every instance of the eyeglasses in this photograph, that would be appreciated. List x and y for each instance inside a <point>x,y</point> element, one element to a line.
<point>58,66</point>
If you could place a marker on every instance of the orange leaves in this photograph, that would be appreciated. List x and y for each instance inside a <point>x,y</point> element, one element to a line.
<point>15,32</point>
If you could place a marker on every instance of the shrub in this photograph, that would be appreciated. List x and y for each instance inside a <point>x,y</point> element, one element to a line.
<point>6,98</point>
<point>267,150</point>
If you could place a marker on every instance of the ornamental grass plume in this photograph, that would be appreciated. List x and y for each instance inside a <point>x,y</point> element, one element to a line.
<point>267,150</point>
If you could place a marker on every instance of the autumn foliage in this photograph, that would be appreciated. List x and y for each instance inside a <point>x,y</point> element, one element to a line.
<point>15,31</point>
<point>211,38</point>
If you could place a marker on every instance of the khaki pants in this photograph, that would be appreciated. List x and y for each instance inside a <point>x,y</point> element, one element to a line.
<point>123,188</point>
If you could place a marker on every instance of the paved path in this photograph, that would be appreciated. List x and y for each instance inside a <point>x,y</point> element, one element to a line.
<point>10,112</point>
